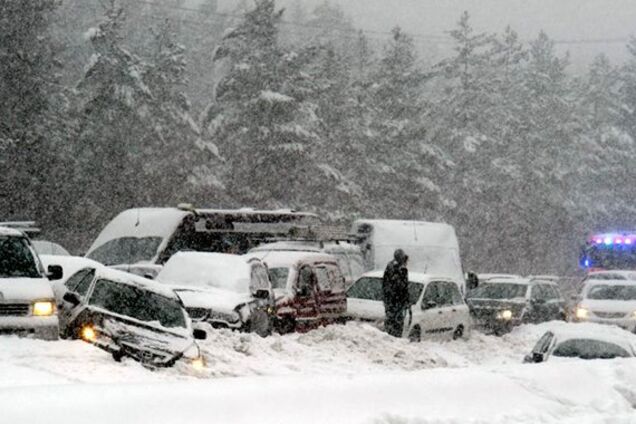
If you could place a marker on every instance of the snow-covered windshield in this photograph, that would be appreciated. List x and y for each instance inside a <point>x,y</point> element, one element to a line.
<point>134,302</point>
<point>589,349</point>
<point>612,292</point>
<point>279,277</point>
<point>126,250</point>
<point>16,259</point>
<point>498,291</point>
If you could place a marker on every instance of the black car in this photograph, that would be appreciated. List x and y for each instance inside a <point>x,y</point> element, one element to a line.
<point>499,304</point>
<point>126,315</point>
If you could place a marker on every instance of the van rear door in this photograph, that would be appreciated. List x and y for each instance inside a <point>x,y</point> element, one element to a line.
<point>332,298</point>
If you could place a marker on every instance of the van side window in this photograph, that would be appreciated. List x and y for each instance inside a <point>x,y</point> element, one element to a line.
<point>323,278</point>
<point>306,280</point>
<point>259,277</point>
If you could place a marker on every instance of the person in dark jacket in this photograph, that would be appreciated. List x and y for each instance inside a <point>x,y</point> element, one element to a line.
<point>395,292</point>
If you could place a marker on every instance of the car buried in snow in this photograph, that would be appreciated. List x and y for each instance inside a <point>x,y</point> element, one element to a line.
<point>126,315</point>
<point>436,305</point>
<point>499,304</point>
<point>583,341</point>
<point>222,290</point>
<point>27,304</point>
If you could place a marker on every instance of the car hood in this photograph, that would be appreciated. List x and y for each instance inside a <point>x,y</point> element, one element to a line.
<point>25,289</point>
<point>215,299</point>
<point>625,306</point>
<point>496,303</point>
<point>145,343</point>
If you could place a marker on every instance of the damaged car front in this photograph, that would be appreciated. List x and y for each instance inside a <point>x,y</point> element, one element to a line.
<point>133,317</point>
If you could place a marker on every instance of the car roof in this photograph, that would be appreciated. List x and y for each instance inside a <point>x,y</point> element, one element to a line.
<point>278,259</point>
<point>414,277</point>
<point>488,276</point>
<point>509,280</point>
<point>601,332</point>
<point>11,232</point>
<point>72,264</point>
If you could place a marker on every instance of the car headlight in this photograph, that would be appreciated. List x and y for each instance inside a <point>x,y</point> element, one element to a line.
<point>194,356</point>
<point>582,313</point>
<point>88,334</point>
<point>43,308</point>
<point>634,314</point>
<point>505,315</point>
<point>199,363</point>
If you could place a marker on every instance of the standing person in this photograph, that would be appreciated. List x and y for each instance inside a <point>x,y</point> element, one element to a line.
<point>395,292</point>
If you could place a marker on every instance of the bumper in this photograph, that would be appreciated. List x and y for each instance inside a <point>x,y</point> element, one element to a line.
<point>45,328</point>
<point>497,326</point>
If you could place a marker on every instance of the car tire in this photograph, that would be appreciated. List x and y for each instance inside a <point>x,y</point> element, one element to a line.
<point>415,336</point>
<point>459,332</point>
<point>259,323</point>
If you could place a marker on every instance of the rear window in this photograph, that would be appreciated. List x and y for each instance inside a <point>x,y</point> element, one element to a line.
<point>589,349</point>
<point>137,303</point>
<point>16,259</point>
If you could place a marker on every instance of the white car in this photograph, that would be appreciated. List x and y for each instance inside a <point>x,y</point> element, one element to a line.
<point>437,306</point>
<point>222,290</point>
<point>584,341</point>
<point>608,302</point>
<point>27,304</point>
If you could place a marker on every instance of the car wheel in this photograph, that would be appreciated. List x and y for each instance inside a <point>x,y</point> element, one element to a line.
<point>259,323</point>
<point>458,333</point>
<point>416,334</point>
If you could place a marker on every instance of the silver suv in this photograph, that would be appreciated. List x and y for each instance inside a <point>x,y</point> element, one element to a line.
<point>27,304</point>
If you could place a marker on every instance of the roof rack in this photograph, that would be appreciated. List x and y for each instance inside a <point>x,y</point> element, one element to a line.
<point>323,233</point>
<point>28,227</point>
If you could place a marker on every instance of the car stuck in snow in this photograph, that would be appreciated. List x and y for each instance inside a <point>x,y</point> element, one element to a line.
<point>126,315</point>
<point>436,305</point>
<point>222,290</point>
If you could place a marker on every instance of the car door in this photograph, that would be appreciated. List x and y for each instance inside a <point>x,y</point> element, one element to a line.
<point>448,315</point>
<point>305,299</point>
<point>458,315</point>
<point>364,300</point>
<point>79,284</point>
<point>428,317</point>
<point>539,307</point>
<point>332,296</point>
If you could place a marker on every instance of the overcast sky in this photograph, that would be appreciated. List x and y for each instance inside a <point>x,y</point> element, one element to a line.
<point>583,21</point>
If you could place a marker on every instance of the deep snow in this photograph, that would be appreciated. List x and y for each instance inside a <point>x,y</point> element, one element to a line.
<point>351,374</point>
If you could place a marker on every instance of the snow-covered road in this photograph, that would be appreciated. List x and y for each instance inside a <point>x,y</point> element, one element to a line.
<point>348,374</point>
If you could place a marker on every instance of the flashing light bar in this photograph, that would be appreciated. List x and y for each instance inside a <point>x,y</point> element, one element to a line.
<point>613,239</point>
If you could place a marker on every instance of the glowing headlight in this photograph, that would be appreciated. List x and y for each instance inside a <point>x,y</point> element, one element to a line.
<point>198,363</point>
<point>634,314</point>
<point>505,315</point>
<point>43,308</point>
<point>582,313</point>
<point>88,334</point>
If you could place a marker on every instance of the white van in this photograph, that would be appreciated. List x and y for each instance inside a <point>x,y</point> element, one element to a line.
<point>27,304</point>
<point>437,308</point>
<point>432,247</point>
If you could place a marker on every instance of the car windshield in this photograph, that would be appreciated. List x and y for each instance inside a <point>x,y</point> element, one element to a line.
<point>612,292</point>
<point>16,259</point>
<point>279,276</point>
<point>498,291</point>
<point>370,288</point>
<point>589,349</point>
<point>137,303</point>
<point>126,250</point>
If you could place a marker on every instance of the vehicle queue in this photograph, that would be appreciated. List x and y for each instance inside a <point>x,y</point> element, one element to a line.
<point>156,279</point>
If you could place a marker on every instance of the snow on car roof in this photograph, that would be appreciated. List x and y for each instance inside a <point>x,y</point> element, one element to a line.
<point>71,264</point>
<point>141,222</point>
<point>414,277</point>
<point>285,259</point>
<point>510,280</point>
<point>626,274</point>
<point>10,232</point>
<point>219,270</point>
<point>584,330</point>
<point>305,246</point>
<point>484,276</point>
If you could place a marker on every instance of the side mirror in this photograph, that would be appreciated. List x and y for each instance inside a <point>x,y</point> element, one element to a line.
<point>429,305</point>
<point>55,272</point>
<point>261,294</point>
<point>71,298</point>
<point>199,334</point>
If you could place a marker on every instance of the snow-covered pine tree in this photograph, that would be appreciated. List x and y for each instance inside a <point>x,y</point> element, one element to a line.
<point>260,117</point>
